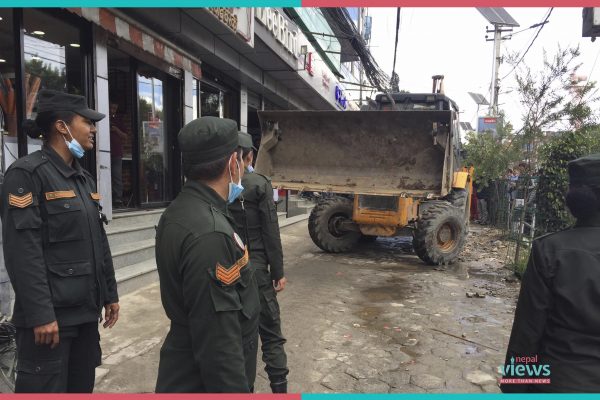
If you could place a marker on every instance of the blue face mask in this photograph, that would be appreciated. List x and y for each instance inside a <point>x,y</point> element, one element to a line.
<point>74,146</point>
<point>250,168</point>
<point>235,189</point>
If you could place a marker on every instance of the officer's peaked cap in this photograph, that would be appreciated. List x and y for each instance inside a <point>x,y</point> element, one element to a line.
<point>52,100</point>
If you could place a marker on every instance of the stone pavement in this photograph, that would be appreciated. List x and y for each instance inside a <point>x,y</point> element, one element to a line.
<point>375,320</point>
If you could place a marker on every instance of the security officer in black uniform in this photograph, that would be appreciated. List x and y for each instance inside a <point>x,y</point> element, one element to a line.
<point>557,317</point>
<point>256,218</point>
<point>56,251</point>
<point>207,284</point>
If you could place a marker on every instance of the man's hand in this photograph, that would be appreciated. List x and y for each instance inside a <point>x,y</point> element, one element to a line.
<point>111,315</point>
<point>47,334</point>
<point>280,284</point>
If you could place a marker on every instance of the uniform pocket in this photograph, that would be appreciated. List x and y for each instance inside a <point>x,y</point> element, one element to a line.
<point>65,222</point>
<point>69,283</point>
<point>270,299</point>
<point>225,298</point>
<point>39,367</point>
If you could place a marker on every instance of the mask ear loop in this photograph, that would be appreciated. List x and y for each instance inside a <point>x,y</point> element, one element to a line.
<point>68,130</point>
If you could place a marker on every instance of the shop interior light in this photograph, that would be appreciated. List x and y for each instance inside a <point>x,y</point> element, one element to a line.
<point>75,45</point>
<point>2,60</point>
<point>39,33</point>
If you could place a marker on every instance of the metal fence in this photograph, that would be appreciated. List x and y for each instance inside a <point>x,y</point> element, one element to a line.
<point>511,207</point>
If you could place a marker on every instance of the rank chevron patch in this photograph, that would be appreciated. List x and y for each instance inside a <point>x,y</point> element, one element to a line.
<point>20,201</point>
<point>230,275</point>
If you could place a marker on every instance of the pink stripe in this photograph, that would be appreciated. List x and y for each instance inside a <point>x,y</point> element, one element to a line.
<point>107,21</point>
<point>136,36</point>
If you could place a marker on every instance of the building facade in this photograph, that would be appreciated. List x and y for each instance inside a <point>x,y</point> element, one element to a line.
<point>151,73</point>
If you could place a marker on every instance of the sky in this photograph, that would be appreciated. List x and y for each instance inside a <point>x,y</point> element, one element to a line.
<point>451,42</point>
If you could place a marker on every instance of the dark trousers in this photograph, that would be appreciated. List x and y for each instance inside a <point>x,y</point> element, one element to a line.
<point>269,329</point>
<point>116,172</point>
<point>68,368</point>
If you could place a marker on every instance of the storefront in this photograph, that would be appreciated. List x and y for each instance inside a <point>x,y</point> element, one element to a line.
<point>140,81</point>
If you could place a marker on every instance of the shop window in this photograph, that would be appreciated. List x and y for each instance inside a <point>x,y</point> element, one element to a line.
<point>152,136</point>
<point>211,101</point>
<point>8,101</point>
<point>53,58</point>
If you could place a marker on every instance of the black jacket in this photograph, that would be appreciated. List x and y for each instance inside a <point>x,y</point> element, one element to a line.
<point>258,219</point>
<point>55,247</point>
<point>557,316</point>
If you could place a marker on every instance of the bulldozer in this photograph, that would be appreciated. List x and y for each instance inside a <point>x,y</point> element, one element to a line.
<point>392,168</point>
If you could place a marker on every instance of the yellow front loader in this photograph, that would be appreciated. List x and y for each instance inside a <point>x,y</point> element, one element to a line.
<point>390,169</point>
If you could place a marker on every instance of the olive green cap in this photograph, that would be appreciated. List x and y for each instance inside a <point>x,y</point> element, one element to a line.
<point>245,141</point>
<point>585,170</point>
<point>207,139</point>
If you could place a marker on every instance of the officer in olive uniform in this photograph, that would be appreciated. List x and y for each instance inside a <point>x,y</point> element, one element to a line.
<point>56,251</point>
<point>207,285</point>
<point>256,218</point>
<point>557,316</point>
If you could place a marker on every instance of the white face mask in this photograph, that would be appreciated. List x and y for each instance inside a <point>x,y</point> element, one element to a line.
<point>235,189</point>
<point>74,147</point>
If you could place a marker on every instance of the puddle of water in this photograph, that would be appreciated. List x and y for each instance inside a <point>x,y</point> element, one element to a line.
<point>369,313</point>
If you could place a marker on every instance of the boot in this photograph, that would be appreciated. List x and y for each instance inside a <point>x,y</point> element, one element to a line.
<point>279,387</point>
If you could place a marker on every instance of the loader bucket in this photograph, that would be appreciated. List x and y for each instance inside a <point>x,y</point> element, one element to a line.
<point>359,152</point>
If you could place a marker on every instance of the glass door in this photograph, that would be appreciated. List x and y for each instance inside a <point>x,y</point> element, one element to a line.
<point>152,137</point>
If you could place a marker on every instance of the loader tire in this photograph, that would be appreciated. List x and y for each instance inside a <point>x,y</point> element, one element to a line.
<point>440,233</point>
<point>459,198</point>
<point>323,222</point>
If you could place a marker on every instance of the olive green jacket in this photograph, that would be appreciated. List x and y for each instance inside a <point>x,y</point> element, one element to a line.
<point>209,293</point>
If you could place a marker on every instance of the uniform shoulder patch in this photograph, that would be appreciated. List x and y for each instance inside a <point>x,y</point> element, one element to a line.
<point>95,196</point>
<point>230,275</point>
<point>238,241</point>
<point>63,194</point>
<point>20,201</point>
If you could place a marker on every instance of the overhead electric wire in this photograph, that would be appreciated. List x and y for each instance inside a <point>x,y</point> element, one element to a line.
<point>373,72</point>
<point>542,24</point>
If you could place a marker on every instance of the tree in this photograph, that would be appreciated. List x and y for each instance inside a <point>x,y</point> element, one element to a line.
<point>549,102</point>
<point>491,154</point>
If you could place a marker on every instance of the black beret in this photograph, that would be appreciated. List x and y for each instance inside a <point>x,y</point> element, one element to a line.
<point>207,139</point>
<point>245,141</point>
<point>585,170</point>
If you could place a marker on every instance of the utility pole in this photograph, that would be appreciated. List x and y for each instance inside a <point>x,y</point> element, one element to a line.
<point>497,31</point>
<point>502,22</point>
<point>496,79</point>
<point>360,69</point>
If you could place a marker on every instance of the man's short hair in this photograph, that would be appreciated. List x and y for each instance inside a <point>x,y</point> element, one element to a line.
<point>208,171</point>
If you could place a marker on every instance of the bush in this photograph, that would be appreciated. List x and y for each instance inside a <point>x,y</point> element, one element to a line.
<point>553,214</point>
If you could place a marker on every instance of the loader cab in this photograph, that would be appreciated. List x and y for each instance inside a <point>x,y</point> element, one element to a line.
<point>415,102</point>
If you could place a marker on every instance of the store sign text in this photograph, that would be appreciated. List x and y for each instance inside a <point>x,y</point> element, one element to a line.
<point>340,97</point>
<point>280,27</point>
<point>226,16</point>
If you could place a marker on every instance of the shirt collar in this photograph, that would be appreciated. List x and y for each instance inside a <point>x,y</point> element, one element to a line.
<point>66,170</point>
